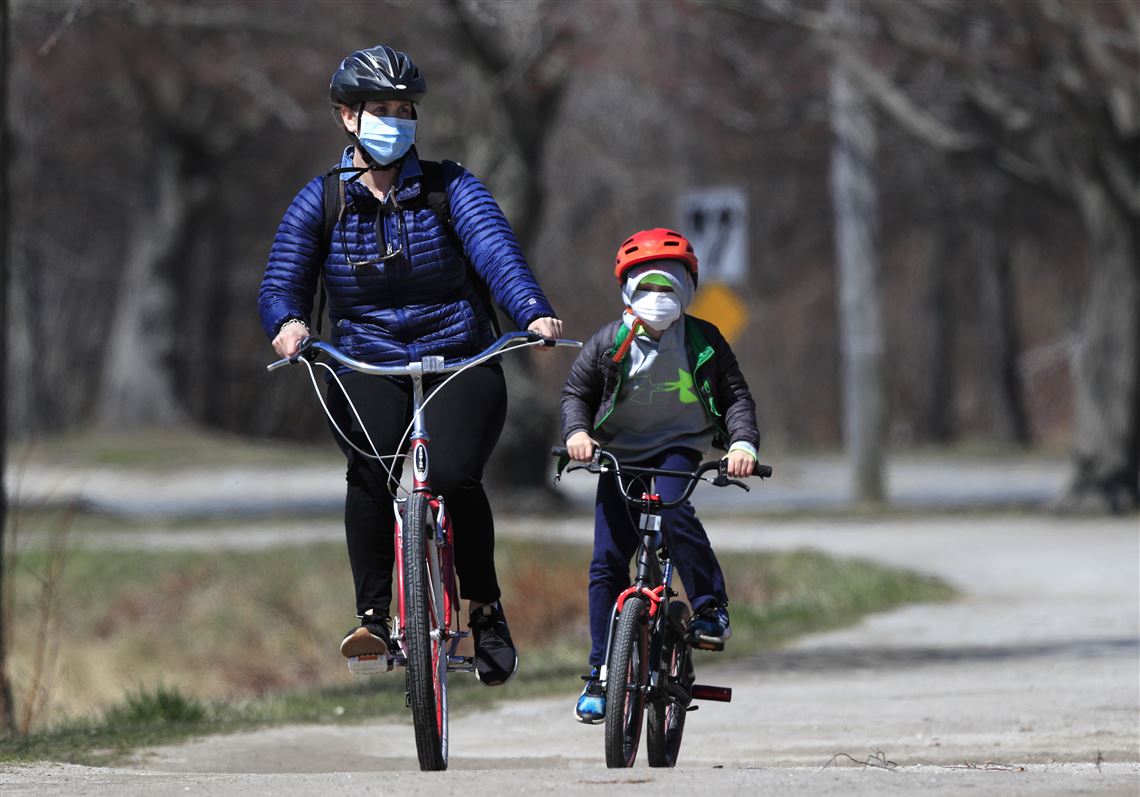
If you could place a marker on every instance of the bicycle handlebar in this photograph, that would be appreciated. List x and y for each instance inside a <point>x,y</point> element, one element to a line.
<point>720,465</point>
<point>310,347</point>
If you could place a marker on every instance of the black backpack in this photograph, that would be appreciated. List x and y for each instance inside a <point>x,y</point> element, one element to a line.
<point>434,195</point>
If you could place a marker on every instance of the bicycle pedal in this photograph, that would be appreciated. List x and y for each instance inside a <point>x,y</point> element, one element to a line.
<point>461,664</point>
<point>704,643</point>
<point>721,694</point>
<point>370,664</point>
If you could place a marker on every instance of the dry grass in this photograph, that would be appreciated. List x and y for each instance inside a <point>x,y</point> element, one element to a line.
<point>261,629</point>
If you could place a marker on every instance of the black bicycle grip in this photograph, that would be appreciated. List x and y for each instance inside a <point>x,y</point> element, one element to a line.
<point>559,451</point>
<point>763,471</point>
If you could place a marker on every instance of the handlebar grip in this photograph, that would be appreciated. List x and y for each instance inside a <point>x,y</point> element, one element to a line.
<point>763,471</point>
<point>558,451</point>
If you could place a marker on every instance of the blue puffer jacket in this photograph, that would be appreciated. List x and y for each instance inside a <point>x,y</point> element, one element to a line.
<point>418,303</point>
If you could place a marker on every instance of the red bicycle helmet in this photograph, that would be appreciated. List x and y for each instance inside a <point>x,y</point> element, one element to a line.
<point>656,244</point>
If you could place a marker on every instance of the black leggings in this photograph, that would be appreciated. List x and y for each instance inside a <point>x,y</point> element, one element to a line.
<point>464,422</point>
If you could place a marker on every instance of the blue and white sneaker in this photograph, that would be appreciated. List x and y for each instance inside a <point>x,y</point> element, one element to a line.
<point>591,706</point>
<point>710,627</point>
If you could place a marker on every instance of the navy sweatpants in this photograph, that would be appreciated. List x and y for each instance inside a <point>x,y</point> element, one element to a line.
<point>616,540</point>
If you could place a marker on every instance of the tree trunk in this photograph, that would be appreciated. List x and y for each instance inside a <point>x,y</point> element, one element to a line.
<point>137,386</point>
<point>7,709</point>
<point>934,341</point>
<point>855,201</point>
<point>1106,446</point>
<point>999,340</point>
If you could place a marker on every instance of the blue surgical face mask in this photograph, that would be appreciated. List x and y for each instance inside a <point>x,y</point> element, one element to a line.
<point>386,138</point>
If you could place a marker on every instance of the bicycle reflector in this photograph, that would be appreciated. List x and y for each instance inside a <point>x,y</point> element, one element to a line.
<point>721,694</point>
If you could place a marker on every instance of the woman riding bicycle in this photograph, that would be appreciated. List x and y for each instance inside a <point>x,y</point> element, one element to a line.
<point>414,246</point>
<point>656,388</point>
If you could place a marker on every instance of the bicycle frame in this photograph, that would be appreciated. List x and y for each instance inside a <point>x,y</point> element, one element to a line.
<point>441,549</point>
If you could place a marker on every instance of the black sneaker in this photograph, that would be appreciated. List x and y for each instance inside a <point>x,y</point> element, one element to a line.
<point>495,656</point>
<point>370,638</point>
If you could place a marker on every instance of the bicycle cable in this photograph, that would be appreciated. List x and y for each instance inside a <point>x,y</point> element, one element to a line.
<point>407,431</point>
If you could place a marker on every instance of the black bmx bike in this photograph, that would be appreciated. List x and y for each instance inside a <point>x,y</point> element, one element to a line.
<point>426,630</point>
<point>649,664</point>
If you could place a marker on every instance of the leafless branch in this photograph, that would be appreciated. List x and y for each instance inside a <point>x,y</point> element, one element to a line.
<point>211,17</point>
<point>877,759</point>
<point>74,11</point>
<point>1122,178</point>
<point>897,104</point>
<point>988,766</point>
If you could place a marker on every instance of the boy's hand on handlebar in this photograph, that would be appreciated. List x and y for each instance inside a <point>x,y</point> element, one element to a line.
<point>289,339</point>
<point>580,446</point>
<point>740,463</point>
<point>547,327</point>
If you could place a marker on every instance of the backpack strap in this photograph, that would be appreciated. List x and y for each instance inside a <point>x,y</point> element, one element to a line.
<point>435,193</point>
<point>333,206</point>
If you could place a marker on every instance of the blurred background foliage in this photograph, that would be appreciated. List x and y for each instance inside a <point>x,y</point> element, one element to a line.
<point>154,146</point>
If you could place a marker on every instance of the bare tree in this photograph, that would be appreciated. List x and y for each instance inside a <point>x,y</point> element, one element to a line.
<point>855,201</point>
<point>7,710</point>
<point>1048,93</point>
<point>529,76</point>
<point>988,219</point>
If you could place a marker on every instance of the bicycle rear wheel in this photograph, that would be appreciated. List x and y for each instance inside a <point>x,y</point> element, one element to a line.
<point>667,713</point>
<point>627,675</point>
<point>423,637</point>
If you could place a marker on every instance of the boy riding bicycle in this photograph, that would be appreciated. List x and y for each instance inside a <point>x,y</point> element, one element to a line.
<point>656,388</point>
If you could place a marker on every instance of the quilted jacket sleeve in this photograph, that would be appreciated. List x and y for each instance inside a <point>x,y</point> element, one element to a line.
<point>294,261</point>
<point>582,393</point>
<point>733,395</point>
<point>492,248</point>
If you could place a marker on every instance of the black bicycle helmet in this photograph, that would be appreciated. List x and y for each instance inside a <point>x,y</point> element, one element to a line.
<point>378,73</point>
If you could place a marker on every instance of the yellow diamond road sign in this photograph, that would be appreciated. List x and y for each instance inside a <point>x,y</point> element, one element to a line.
<point>720,304</point>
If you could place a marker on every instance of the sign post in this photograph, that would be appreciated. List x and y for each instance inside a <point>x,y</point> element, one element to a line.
<point>715,220</point>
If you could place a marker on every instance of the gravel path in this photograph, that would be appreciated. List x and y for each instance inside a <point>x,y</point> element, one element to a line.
<point>1030,684</point>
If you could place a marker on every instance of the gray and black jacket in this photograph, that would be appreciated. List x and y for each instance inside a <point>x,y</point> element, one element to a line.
<point>595,381</point>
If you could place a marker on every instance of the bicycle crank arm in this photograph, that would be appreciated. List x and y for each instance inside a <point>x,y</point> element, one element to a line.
<point>721,694</point>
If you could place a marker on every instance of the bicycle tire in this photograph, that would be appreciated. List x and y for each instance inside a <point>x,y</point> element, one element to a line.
<point>666,723</point>
<point>426,656</point>
<point>627,675</point>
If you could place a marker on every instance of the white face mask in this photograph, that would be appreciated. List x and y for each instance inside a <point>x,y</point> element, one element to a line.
<point>659,309</point>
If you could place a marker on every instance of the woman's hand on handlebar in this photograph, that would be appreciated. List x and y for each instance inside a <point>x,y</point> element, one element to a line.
<point>740,463</point>
<point>289,338</point>
<point>580,446</point>
<point>547,327</point>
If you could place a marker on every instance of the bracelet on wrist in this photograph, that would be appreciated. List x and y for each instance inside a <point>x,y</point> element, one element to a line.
<point>281,328</point>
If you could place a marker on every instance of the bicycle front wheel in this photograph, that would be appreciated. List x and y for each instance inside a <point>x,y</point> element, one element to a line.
<point>423,633</point>
<point>627,675</point>
<point>667,713</point>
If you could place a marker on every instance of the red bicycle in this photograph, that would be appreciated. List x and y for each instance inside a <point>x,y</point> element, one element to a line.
<point>426,632</point>
<point>649,664</point>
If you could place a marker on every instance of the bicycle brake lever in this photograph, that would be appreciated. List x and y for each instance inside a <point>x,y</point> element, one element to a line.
<point>722,479</point>
<point>535,337</point>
